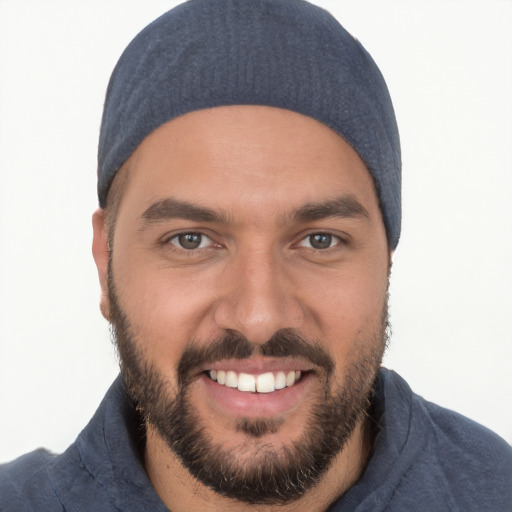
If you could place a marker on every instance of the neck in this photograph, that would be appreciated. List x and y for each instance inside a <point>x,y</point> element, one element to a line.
<point>181,492</point>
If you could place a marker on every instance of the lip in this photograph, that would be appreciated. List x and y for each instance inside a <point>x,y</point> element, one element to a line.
<point>237,403</point>
<point>258,365</point>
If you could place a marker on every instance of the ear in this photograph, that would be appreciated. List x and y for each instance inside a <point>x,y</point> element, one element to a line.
<point>100,251</point>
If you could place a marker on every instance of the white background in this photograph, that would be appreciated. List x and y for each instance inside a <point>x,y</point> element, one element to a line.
<point>448,66</point>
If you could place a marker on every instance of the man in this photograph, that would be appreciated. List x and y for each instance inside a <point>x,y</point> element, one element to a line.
<point>249,184</point>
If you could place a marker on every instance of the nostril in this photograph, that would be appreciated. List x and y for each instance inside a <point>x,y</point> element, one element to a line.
<point>257,308</point>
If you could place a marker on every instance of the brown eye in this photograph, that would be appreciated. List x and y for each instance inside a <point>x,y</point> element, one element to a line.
<point>190,241</point>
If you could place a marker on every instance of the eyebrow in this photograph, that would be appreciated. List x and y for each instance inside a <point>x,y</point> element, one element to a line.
<point>169,208</point>
<point>346,206</point>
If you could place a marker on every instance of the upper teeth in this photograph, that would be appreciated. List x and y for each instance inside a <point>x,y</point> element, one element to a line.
<point>263,383</point>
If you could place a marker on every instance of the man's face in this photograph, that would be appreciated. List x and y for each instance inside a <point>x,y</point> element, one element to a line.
<point>249,250</point>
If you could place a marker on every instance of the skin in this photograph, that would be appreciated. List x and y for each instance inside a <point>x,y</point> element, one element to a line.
<point>256,271</point>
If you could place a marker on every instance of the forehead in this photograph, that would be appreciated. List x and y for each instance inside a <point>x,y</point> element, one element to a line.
<point>245,157</point>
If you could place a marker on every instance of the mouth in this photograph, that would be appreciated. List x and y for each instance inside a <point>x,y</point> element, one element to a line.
<point>258,387</point>
<point>267,382</point>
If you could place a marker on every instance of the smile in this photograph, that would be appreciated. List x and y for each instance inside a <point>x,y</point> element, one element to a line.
<point>263,383</point>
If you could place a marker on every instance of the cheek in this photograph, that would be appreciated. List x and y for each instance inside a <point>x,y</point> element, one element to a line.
<point>347,306</point>
<point>166,309</point>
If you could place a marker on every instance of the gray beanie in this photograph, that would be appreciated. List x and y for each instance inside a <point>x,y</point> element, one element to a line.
<point>281,53</point>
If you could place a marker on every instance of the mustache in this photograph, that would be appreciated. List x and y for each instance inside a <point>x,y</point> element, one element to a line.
<point>284,343</point>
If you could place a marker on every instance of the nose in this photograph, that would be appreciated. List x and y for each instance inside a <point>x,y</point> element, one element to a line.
<point>257,297</point>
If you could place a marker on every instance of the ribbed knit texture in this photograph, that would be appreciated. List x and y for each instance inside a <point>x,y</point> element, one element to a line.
<point>282,53</point>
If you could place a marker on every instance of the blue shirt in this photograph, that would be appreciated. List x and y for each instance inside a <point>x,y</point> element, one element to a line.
<point>425,458</point>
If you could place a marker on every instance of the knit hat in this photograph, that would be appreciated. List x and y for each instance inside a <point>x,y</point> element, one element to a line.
<point>282,53</point>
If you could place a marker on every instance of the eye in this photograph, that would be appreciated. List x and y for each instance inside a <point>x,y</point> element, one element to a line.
<point>320,241</point>
<point>190,241</point>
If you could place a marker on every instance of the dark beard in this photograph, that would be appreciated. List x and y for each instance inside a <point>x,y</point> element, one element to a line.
<point>271,477</point>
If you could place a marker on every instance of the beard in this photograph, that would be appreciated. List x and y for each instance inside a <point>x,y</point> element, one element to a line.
<point>266,475</point>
